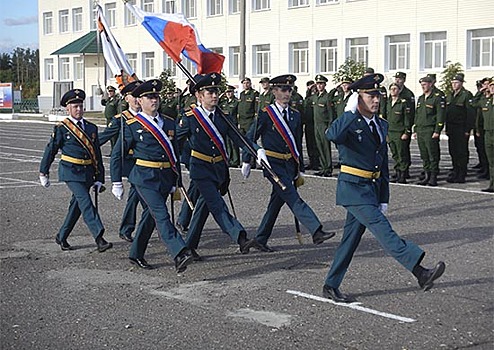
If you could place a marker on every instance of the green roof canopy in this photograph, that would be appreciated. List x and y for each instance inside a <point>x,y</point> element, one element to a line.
<point>85,44</point>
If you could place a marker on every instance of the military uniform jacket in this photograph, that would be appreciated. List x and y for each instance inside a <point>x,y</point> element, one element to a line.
<point>229,107</point>
<point>247,105</point>
<point>112,130</point>
<point>322,104</point>
<point>168,107</point>
<point>459,110</point>
<point>408,95</point>
<point>430,111</point>
<point>272,141</point>
<point>200,141</point>
<point>145,147</point>
<point>357,148</point>
<point>63,140</point>
<point>265,99</point>
<point>398,116</point>
<point>111,107</point>
<point>339,102</point>
<point>187,102</point>
<point>297,103</point>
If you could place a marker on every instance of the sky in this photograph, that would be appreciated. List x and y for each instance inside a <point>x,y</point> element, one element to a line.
<point>18,24</point>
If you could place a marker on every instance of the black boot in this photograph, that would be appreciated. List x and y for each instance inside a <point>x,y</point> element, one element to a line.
<point>422,175</point>
<point>461,178</point>
<point>407,174</point>
<point>396,175</point>
<point>425,180</point>
<point>452,176</point>
<point>433,180</point>
<point>402,178</point>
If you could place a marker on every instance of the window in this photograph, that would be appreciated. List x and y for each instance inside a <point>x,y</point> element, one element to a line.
<point>129,18</point>
<point>132,59</point>
<point>47,23</point>
<point>169,6</point>
<point>49,73</point>
<point>258,5</point>
<point>234,60</point>
<point>234,6</point>
<point>110,14</point>
<point>77,19</point>
<point>94,18</point>
<point>262,60</point>
<point>147,5</point>
<point>298,3</point>
<point>63,21</point>
<point>299,57</point>
<point>148,64</point>
<point>433,50</point>
<point>215,7</point>
<point>189,8</point>
<point>65,68</point>
<point>481,47</point>
<point>169,64</point>
<point>357,49</point>
<point>398,52</point>
<point>78,68</point>
<point>326,56</point>
<point>325,2</point>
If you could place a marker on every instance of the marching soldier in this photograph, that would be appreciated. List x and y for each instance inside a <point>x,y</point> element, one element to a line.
<point>322,107</point>
<point>429,122</point>
<point>400,129</point>
<point>207,129</point>
<point>112,108</point>
<point>280,129</point>
<point>363,190</point>
<point>460,120</point>
<point>115,129</point>
<point>154,175</point>
<point>81,167</point>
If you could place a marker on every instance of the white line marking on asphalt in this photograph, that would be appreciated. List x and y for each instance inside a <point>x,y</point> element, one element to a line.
<point>354,306</point>
<point>22,149</point>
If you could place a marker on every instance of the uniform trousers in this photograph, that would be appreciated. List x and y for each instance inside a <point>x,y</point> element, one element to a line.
<point>360,217</point>
<point>129,215</point>
<point>323,146</point>
<point>429,149</point>
<point>155,209</point>
<point>399,150</point>
<point>81,203</point>
<point>185,214</point>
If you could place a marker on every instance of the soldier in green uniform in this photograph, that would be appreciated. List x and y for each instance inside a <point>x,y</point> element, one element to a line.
<point>341,96</point>
<point>296,100</point>
<point>400,129</point>
<point>308,122</point>
<point>478,102</point>
<point>247,106</point>
<point>229,106</point>
<point>408,95</point>
<point>486,127</point>
<point>112,108</point>
<point>429,122</point>
<point>322,107</point>
<point>169,104</point>
<point>460,119</point>
<point>266,97</point>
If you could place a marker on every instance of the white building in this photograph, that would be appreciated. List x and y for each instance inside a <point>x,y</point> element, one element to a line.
<point>303,37</point>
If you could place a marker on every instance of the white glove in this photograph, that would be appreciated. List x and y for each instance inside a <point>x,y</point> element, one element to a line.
<point>173,189</point>
<point>45,180</point>
<point>117,190</point>
<point>352,103</point>
<point>245,170</point>
<point>383,207</point>
<point>261,155</point>
<point>97,186</point>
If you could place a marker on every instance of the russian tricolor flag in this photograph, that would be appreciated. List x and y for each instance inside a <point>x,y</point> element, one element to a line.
<point>178,36</point>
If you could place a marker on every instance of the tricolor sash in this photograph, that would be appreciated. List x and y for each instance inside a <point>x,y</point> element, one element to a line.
<point>283,129</point>
<point>210,129</point>
<point>83,139</point>
<point>160,136</point>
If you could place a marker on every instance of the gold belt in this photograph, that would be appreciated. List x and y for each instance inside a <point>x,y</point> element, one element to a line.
<point>150,164</point>
<point>359,172</point>
<point>284,156</point>
<point>206,158</point>
<point>76,160</point>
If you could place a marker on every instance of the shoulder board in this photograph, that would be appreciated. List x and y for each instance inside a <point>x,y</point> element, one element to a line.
<point>88,122</point>
<point>130,121</point>
<point>381,119</point>
<point>437,94</point>
<point>403,100</point>
<point>58,124</point>
<point>127,114</point>
<point>189,113</point>
<point>165,116</point>
<point>116,116</point>
<point>294,109</point>
<point>264,109</point>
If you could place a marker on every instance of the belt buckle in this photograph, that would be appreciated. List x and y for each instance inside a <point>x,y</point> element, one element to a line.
<point>375,175</point>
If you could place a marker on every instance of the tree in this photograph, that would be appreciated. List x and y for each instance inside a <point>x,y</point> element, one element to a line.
<point>451,70</point>
<point>22,69</point>
<point>168,84</point>
<point>349,69</point>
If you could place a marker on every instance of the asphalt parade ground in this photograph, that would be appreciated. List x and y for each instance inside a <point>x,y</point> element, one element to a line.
<point>83,299</point>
